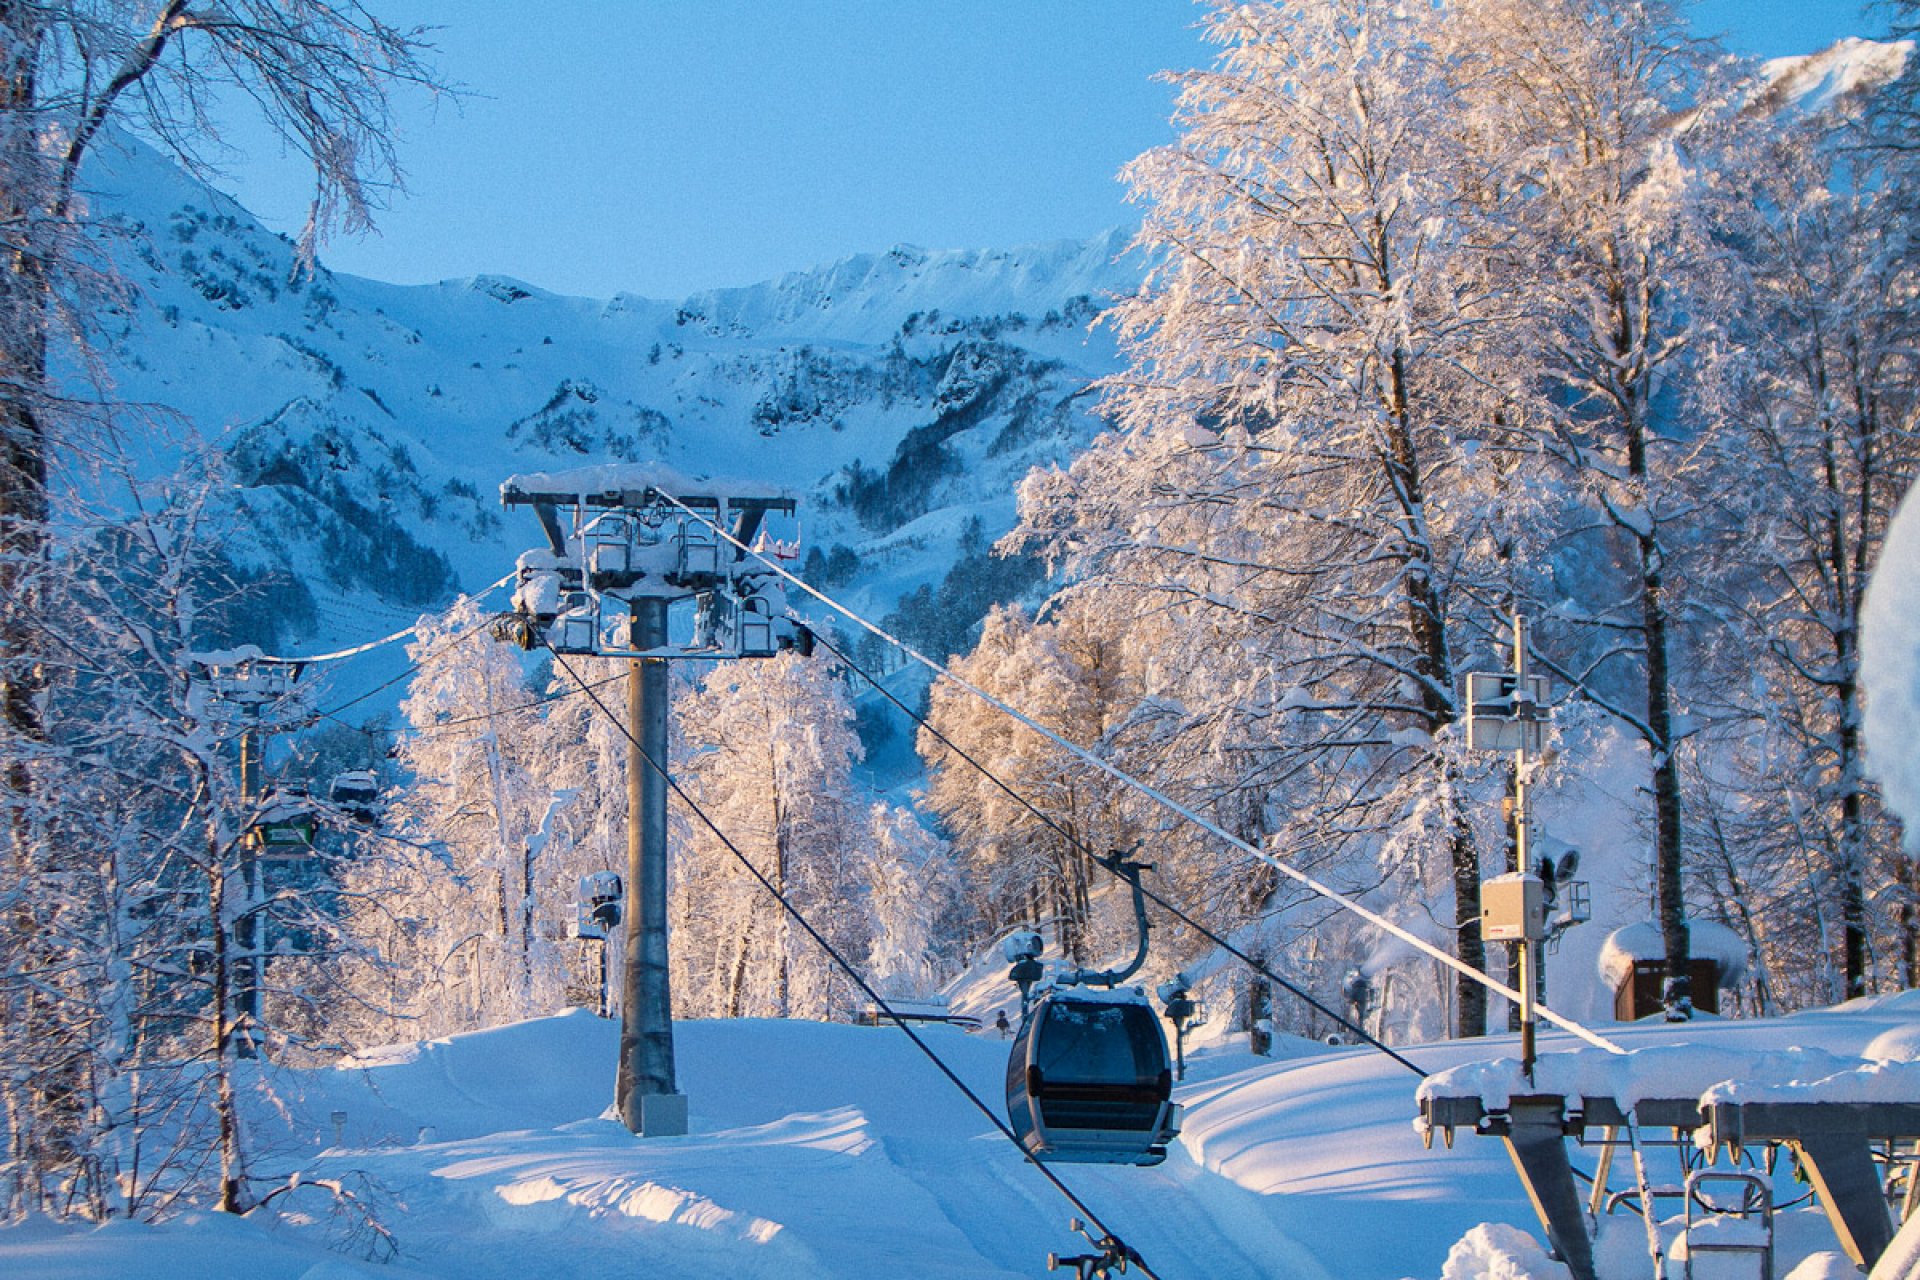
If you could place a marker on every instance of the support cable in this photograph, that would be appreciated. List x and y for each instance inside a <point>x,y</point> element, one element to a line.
<point>333,713</point>
<point>1082,846</point>
<point>841,962</point>
<point>1284,867</point>
<point>371,645</point>
<point>428,731</point>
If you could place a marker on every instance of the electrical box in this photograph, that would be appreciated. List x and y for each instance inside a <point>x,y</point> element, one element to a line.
<point>1513,908</point>
<point>1495,719</point>
<point>600,886</point>
<point>598,910</point>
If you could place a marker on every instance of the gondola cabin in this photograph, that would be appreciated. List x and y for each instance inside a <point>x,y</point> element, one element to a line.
<point>357,791</point>
<point>1088,1079</point>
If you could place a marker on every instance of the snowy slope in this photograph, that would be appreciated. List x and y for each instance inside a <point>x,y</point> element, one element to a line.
<point>1818,81</point>
<point>832,1150</point>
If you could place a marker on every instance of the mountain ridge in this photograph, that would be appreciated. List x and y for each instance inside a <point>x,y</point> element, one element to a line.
<point>367,425</point>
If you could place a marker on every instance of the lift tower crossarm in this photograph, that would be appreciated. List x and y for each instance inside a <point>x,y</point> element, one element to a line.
<point>588,488</point>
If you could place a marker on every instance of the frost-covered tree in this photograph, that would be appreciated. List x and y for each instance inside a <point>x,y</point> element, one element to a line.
<point>910,894</point>
<point>1308,380</point>
<point>136,961</point>
<point>582,762</point>
<point>1065,674</point>
<point>1580,108</point>
<point>70,70</point>
<point>452,904</point>
<point>1893,115</point>
<point>1823,377</point>
<point>768,750</point>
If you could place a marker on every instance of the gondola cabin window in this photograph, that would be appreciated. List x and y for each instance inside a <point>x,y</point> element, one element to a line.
<point>1099,1044</point>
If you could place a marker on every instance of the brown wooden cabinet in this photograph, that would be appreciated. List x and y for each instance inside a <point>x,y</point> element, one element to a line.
<point>1639,997</point>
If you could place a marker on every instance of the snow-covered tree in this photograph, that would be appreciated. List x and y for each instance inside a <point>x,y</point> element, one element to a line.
<point>1823,378</point>
<point>910,893</point>
<point>1308,379</point>
<point>452,905</point>
<point>1581,106</point>
<point>135,965</point>
<point>1064,674</point>
<point>768,750</point>
<point>70,70</point>
<point>582,761</point>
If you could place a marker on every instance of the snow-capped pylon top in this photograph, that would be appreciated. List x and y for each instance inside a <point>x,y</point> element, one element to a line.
<point>623,483</point>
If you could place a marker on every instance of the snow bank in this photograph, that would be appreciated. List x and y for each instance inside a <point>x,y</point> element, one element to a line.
<point>1890,669</point>
<point>1869,1082</point>
<point>1901,1044</point>
<point>595,1193</point>
<point>1495,1251</point>
<point>1681,1071</point>
<point>1828,1264</point>
<point>1706,939</point>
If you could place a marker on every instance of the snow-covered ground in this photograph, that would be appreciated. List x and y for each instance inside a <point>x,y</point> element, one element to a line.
<point>833,1150</point>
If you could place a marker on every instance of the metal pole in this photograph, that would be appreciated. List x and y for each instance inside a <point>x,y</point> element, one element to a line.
<point>1522,841</point>
<point>644,1090</point>
<point>245,932</point>
<point>601,1010</point>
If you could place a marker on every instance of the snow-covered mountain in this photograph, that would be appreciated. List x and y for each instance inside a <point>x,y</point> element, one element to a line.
<point>369,425</point>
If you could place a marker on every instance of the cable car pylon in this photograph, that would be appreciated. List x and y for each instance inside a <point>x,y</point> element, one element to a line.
<point>1115,1253</point>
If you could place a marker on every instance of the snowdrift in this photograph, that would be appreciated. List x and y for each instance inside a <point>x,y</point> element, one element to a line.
<point>833,1150</point>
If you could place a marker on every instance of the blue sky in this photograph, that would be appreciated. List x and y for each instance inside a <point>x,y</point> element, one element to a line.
<point>664,146</point>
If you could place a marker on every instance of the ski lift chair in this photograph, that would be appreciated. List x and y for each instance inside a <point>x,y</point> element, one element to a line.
<point>699,555</point>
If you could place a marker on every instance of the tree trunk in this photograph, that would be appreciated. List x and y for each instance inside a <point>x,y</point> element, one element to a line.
<point>1425,614</point>
<point>782,975</point>
<point>1677,994</point>
<point>233,1192</point>
<point>1906,916</point>
<point>1471,1007</point>
<point>1847,554</point>
<point>1632,299</point>
<point>737,979</point>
